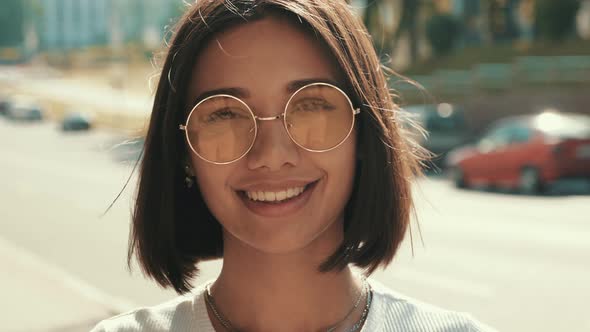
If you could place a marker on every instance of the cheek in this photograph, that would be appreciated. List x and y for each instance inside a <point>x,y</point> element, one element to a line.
<point>348,157</point>
<point>340,165</point>
<point>212,182</point>
<point>348,171</point>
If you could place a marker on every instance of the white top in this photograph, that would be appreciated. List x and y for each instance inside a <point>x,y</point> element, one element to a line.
<point>389,312</point>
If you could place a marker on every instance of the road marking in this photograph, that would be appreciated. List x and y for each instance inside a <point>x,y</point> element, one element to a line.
<point>36,263</point>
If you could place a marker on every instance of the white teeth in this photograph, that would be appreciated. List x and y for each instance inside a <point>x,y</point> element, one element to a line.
<point>281,195</point>
<point>270,196</point>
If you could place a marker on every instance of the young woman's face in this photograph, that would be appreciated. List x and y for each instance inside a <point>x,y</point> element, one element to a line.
<point>262,60</point>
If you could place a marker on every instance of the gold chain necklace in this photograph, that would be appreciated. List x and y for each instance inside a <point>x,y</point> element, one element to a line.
<point>366,289</point>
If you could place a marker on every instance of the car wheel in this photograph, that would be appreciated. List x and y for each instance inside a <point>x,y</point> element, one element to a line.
<point>458,177</point>
<point>529,182</point>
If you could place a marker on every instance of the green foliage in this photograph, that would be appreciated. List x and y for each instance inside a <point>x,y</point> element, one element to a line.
<point>12,17</point>
<point>36,7</point>
<point>555,20</point>
<point>374,25</point>
<point>442,31</point>
<point>177,8</point>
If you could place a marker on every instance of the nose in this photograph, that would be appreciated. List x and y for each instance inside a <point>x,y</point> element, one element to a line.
<point>273,148</point>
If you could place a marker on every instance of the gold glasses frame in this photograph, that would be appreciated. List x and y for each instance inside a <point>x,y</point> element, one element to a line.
<point>256,118</point>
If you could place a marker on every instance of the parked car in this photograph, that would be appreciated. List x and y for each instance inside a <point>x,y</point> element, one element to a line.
<point>4,105</point>
<point>75,121</point>
<point>526,153</point>
<point>445,128</point>
<point>27,111</point>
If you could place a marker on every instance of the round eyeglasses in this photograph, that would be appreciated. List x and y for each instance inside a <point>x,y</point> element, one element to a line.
<point>221,129</point>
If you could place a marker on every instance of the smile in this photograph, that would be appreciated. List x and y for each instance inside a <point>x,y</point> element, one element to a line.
<point>277,203</point>
<point>275,196</point>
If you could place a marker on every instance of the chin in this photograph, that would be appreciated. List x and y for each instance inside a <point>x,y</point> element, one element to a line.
<point>282,242</point>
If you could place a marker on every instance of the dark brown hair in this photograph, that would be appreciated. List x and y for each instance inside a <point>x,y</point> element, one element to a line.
<point>173,229</point>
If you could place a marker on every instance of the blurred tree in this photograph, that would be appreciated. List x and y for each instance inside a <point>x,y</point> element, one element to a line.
<point>408,23</point>
<point>501,19</point>
<point>177,8</point>
<point>175,11</point>
<point>442,31</point>
<point>555,20</point>
<point>12,20</point>
<point>373,23</point>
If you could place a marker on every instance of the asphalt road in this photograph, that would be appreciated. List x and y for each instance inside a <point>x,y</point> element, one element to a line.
<point>517,263</point>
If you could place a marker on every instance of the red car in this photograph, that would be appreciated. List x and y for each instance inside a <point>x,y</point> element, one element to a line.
<point>526,153</point>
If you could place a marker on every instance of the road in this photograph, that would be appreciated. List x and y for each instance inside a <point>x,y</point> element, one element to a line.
<point>517,263</point>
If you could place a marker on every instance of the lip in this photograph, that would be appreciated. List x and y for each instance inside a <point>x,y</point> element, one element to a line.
<point>273,210</point>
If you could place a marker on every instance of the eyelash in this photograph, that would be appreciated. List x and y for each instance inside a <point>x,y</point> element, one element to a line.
<point>221,114</point>
<point>315,102</point>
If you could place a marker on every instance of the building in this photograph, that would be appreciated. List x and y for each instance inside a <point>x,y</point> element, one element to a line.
<point>14,30</point>
<point>493,21</point>
<point>73,24</point>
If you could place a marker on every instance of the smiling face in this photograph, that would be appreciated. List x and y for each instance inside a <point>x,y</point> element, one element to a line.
<point>278,198</point>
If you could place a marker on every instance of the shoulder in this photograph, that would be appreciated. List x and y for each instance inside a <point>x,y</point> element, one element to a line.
<point>391,311</point>
<point>180,314</point>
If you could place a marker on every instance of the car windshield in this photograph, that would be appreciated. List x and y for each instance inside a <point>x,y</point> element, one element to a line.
<point>574,126</point>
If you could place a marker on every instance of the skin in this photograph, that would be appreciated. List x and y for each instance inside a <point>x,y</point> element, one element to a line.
<point>269,280</point>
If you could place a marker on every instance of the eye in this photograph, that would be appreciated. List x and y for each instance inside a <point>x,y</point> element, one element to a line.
<point>226,113</point>
<point>313,105</point>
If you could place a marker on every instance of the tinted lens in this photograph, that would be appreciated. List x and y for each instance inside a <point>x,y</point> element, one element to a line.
<point>319,117</point>
<point>221,129</point>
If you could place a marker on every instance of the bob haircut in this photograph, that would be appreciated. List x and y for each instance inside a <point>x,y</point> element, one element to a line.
<point>172,228</point>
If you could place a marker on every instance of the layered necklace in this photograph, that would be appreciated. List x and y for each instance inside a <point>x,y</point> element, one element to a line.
<point>365,292</point>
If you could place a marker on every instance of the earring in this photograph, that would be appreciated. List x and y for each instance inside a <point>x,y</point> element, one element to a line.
<point>188,179</point>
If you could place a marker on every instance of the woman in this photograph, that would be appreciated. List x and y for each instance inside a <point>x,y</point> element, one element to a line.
<point>273,144</point>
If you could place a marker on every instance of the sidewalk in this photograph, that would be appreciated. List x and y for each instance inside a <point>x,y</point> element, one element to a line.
<point>39,297</point>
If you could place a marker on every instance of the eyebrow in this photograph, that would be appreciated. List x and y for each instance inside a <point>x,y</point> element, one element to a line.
<point>298,84</point>
<point>245,93</point>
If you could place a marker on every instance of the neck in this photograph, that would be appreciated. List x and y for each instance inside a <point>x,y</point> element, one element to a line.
<point>283,292</point>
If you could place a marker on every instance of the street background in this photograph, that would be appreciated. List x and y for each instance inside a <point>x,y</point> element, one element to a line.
<point>516,262</point>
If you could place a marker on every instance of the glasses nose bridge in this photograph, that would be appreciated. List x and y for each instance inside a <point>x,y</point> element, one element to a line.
<point>280,117</point>
<point>270,118</point>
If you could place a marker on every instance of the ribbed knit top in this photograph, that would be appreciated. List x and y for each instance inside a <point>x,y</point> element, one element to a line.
<point>389,312</point>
